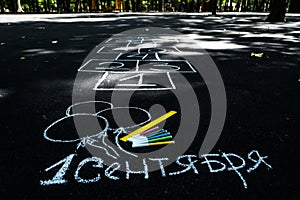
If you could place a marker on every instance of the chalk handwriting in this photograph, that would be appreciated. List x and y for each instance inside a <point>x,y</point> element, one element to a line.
<point>189,163</point>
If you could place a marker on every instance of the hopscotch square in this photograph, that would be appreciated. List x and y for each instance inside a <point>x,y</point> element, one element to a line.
<point>114,49</point>
<point>166,40</point>
<point>118,40</point>
<point>104,65</point>
<point>150,53</point>
<point>117,43</point>
<point>161,39</point>
<point>163,66</point>
<point>136,81</point>
<point>133,39</point>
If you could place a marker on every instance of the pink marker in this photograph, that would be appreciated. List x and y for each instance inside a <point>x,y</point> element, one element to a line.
<point>149,130</point>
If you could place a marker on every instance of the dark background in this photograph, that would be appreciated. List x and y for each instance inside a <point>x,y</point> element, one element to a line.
<point>262,93</point>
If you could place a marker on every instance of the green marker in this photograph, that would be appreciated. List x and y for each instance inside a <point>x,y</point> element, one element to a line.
<point>160,139</point>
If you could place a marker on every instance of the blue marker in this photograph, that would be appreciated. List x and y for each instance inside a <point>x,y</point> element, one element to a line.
<point>160,135</point>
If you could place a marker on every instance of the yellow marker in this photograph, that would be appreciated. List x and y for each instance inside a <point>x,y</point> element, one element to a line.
<point>257,54</point>
<point>149,125</point>
<point>161,143</point>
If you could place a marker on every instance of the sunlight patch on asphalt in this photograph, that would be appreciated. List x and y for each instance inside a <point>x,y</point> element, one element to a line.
<point>4,93</point>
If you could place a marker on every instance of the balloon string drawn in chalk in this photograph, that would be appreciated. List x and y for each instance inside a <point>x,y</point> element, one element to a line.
<point>98,139</point>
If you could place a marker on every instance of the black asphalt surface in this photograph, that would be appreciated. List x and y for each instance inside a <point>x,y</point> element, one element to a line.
<point>39,58</point>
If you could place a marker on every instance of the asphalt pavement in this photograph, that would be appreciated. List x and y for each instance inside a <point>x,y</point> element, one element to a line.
<point>259,64</point>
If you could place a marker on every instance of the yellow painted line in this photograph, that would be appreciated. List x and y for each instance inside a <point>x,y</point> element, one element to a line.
<point>149,125</point>
<point>161,143</point>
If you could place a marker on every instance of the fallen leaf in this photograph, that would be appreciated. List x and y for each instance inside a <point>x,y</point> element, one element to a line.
<point>257,54</point>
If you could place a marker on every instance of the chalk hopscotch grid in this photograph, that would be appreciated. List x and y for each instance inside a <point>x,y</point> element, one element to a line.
<point>135,46</point>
